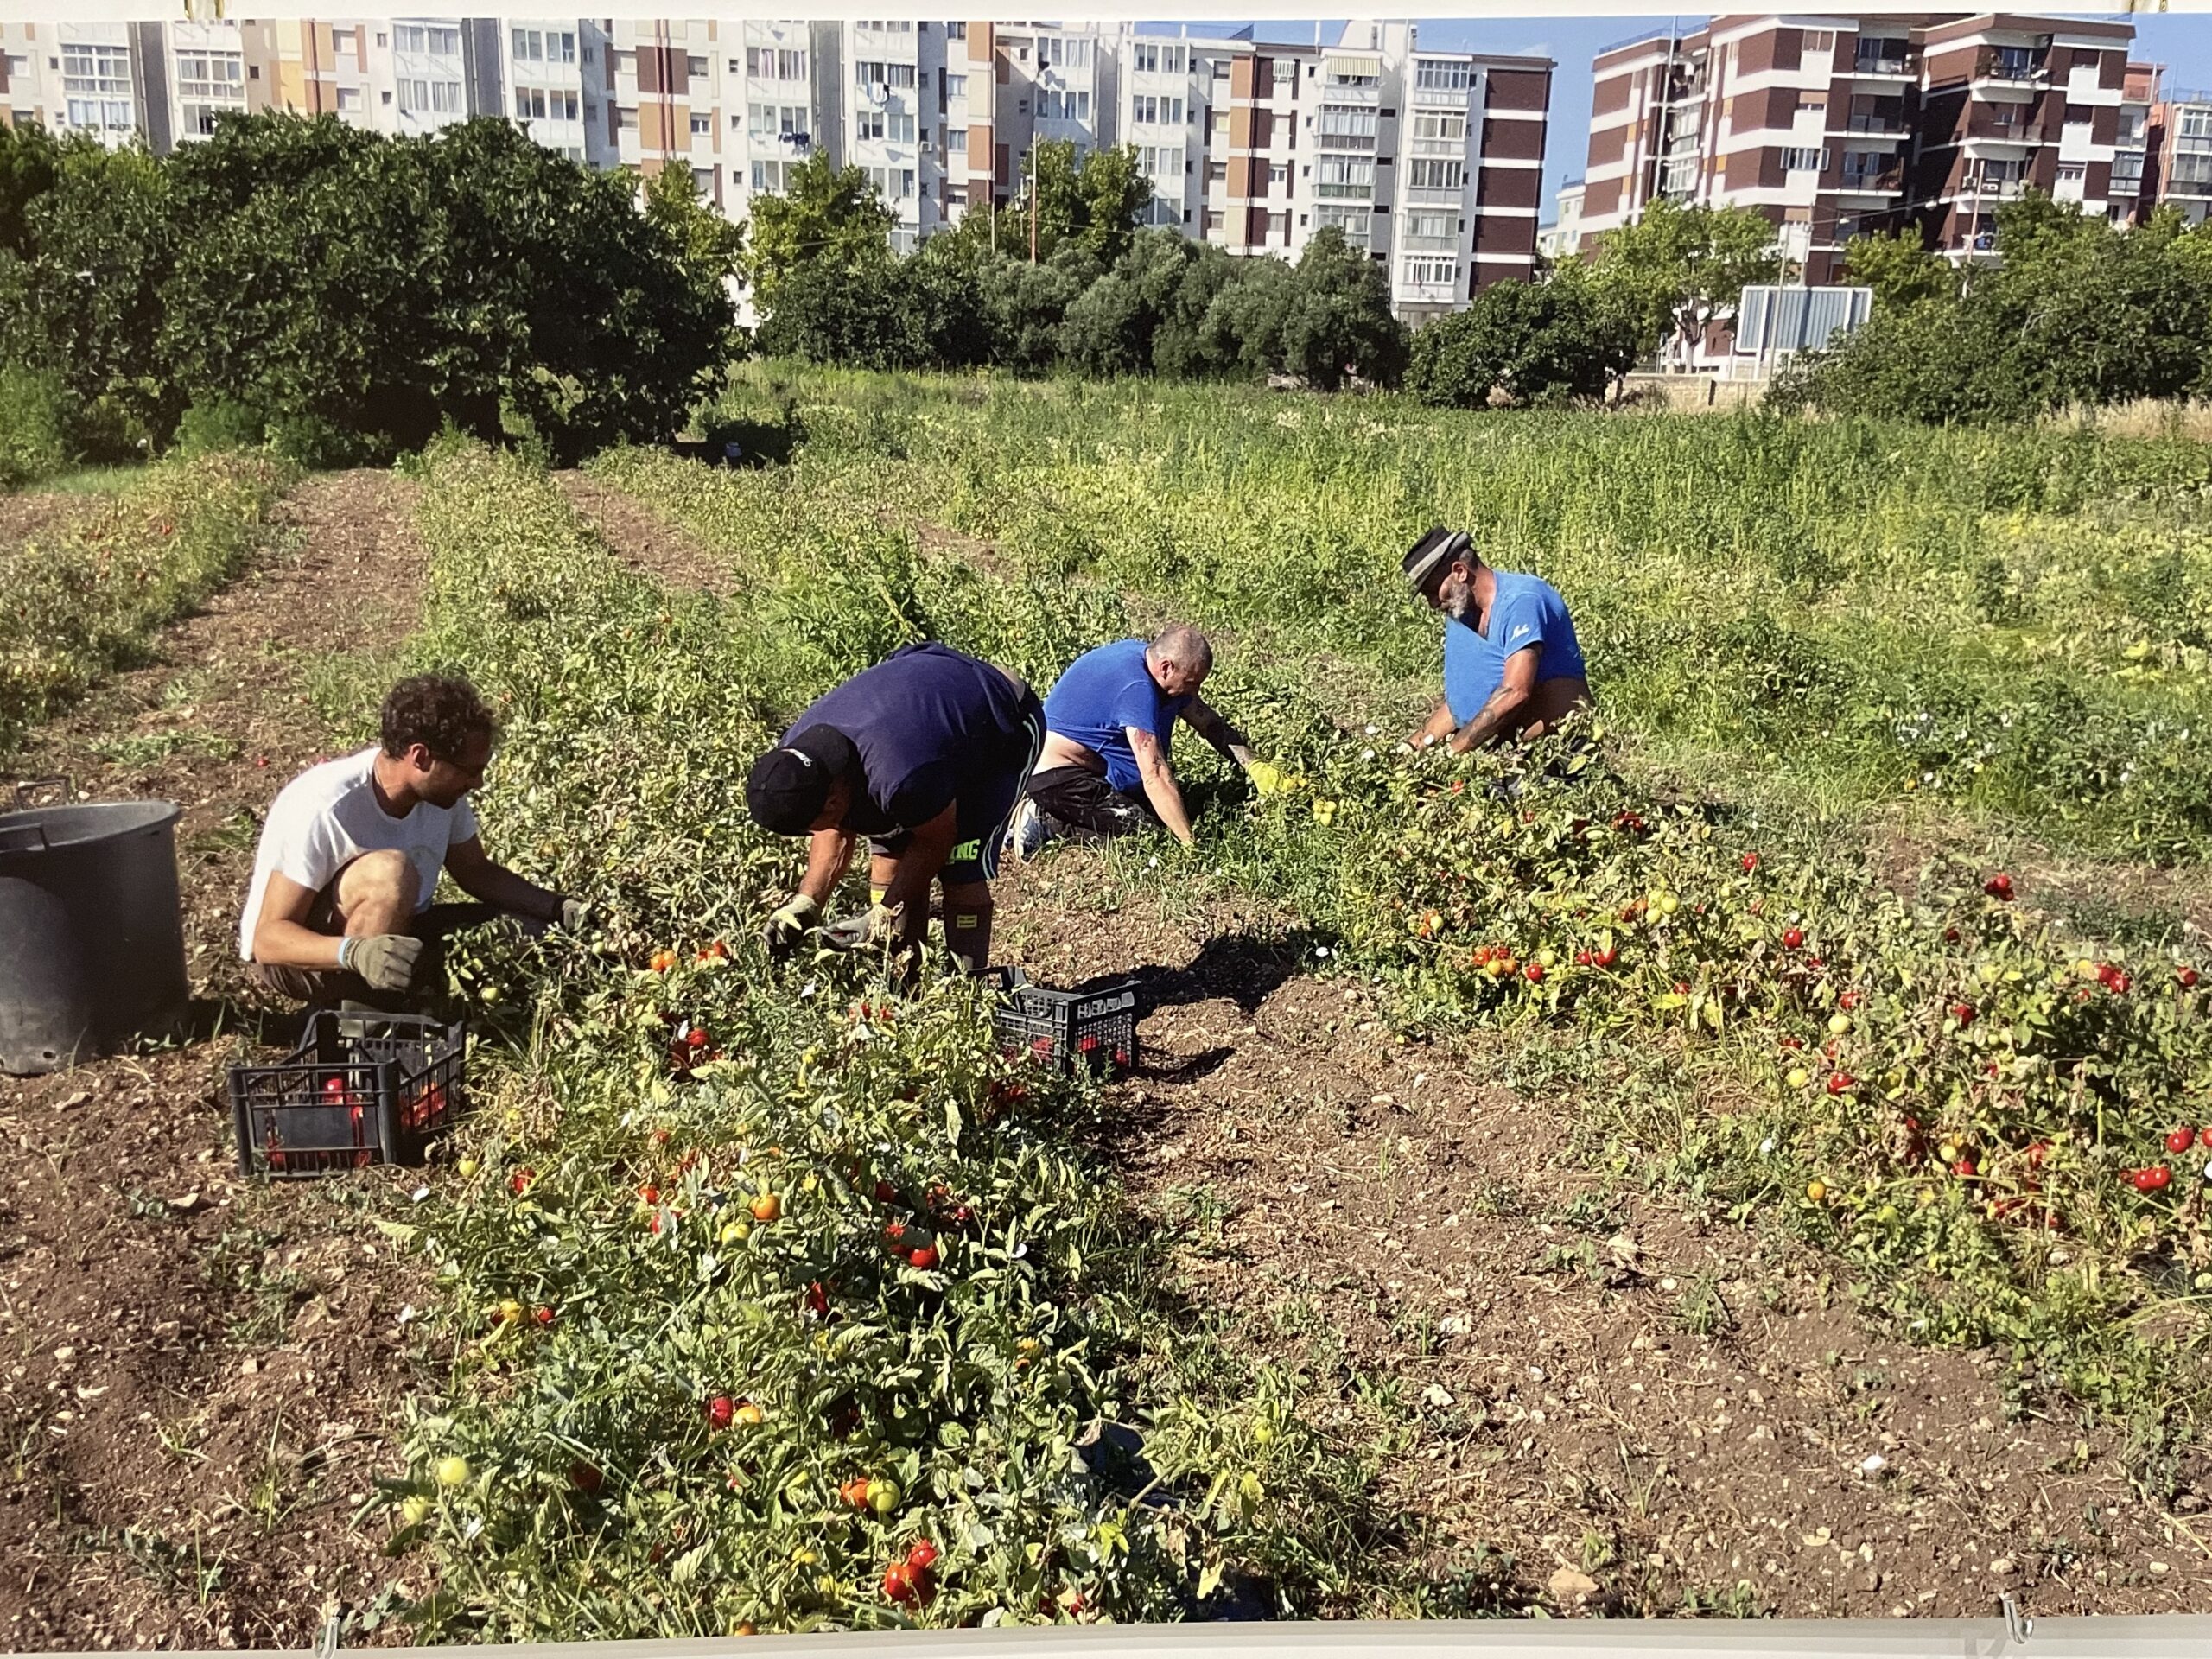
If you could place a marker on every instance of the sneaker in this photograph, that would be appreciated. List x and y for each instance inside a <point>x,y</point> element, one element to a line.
<point>1026,835</point>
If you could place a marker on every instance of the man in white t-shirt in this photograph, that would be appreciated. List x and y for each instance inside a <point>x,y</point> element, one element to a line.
<point>340,906</point>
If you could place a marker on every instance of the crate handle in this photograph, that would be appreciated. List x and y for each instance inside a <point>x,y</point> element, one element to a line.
<point>27,789</point>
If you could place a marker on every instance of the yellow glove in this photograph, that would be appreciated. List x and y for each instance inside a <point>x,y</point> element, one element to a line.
<point>1271,780</point>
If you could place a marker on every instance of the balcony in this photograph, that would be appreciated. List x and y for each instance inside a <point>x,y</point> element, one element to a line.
<point>2013,67</point>
<point>1870,63</point>
<point>1886,180</point>
<point>1875,126</point>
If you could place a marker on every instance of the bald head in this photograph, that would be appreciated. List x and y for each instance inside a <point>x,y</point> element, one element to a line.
<point>1180,658</point>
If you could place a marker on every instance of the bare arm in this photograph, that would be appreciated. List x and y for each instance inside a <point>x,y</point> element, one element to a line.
<point>908,894</point>
<point>474,873</point>
<point>1160,785</point>
<point>1501,716</point>
<point>1439,726</point>
<point>1226,741</point>
<point>282,938</point>
<point>828,854</point>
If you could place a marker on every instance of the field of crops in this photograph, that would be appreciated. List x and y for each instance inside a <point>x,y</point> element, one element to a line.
<point>829,1319</point>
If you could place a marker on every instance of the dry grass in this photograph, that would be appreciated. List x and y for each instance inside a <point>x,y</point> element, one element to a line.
<point>2145,418</point>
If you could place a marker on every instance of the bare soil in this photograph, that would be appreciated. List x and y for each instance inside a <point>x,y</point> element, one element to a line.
<point>198,1374</point>
<point>22,517</point>
<point>1654,1410</point>
<point>646,539</point>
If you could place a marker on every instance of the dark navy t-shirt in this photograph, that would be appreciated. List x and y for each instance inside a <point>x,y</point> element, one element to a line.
<point>929,722</point>
<point>1107,693</point>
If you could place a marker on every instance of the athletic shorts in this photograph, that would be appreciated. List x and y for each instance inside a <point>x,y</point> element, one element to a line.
<point>984,809</point>
<point>325,988</point>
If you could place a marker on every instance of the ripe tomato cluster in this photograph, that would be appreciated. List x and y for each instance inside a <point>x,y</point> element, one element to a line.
<point>911,1579</point>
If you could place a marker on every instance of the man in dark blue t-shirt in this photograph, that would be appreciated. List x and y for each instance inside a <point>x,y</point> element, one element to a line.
<point>925,754</point>
<point>1107,766</point>
<point>1512,667</point>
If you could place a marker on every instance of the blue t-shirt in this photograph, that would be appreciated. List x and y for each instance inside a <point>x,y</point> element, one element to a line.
<point>930,723</point>
<point>1527,611</point>
<point>1105,694</point>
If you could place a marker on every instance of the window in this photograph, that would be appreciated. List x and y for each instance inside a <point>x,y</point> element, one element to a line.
<point>530,103</point>
<point>1153,58</point>
<point>1819,39</point>
<point>2072,173</point>
<point>885,126</point>
<point>1161,161</point>
<point>1441,75</point>
<point>956,140</point>
<point>702,123</point>
<point>1353,222</point>
<point>702,181</point>
<point>898,76</point>
<point>1286,70</point>
<point>1348,129</point>
<point>1057,105</point>
<point>205,74</point>
<point>529,45</point>
<point>1212,221</point>
<point>1279,228</point>
<point>1278,176</point>
<point>772,63</point>
<point>776,120</point>
<point>1217,172</point>
<point>955,86</point>
<point>2196,122</point>
<point>892,183</point>
<point>419,37</point>
<point>694,66</point>
<point>1353,72</point>
<point>1431,273</point>
<point>1069,53</point>
<point>956,31</point>
<point>1435,127</point>
<point>769,175</point>
<point>1804,161</point>
<point>1435,226</point>
<point>349,98</point>
<point>1344,175</point>
<point>625,120</point>
<point>1147,110</point>
<point>1424,174</point>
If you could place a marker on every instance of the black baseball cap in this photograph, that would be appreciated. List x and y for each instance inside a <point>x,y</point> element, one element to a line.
<point>790,784</point>
<point>1429,556</point>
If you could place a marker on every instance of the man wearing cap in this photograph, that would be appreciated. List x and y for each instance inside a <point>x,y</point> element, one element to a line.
<point>923,754</point>
<point>1106,769</point>
<point>1511,666</point>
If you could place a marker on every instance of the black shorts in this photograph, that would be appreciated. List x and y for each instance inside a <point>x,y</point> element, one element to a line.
<point>1075,797</point>
<point>980,813</point>
<point>325,988</point>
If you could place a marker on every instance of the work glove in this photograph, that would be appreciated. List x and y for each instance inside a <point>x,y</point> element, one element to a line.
<point>876,924</point>
<point>384,961</point>
<point>575,916</point>
<point>792,921</point>
<point>1271,780</point>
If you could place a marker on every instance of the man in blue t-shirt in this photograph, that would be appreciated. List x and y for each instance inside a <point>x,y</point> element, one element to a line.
<point>923,754</point>
<point>1511,666</point>
<point>1106,768</point>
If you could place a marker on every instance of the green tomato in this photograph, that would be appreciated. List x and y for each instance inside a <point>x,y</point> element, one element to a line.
<point>883,1496</point>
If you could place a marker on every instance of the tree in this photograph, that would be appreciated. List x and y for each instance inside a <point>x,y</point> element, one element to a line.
<point>1097,202</point>
<point>1338,322</point>
<point>1900,268</point>
<point>1689,266</point>
<point>825,213</point>
<point>846,309</point>
<point>713,246</point>
<point>1535,343</point>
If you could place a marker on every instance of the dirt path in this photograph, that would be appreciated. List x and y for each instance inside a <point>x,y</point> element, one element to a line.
<point>195,1374</point>
<point>1584,1379</point>
<point>644,539</point>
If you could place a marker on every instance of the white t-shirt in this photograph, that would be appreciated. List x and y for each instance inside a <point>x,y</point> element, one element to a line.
<point>328,817</point>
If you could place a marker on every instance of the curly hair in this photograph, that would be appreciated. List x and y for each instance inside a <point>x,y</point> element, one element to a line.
<point>439,711</point>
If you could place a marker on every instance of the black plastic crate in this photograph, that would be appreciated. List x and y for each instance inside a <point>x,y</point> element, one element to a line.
<point>360,1089</point>
<point>1095,1029</point>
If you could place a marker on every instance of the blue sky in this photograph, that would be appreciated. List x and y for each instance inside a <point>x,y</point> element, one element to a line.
<point>2183,43</point>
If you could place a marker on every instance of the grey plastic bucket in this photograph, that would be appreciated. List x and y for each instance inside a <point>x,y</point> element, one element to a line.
<point>91,937</point>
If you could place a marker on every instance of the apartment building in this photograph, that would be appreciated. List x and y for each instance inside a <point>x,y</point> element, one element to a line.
<point>1835,126</point>
<point>1564,234</point>
<point>2177,151</point>
<point>1429,162</point>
